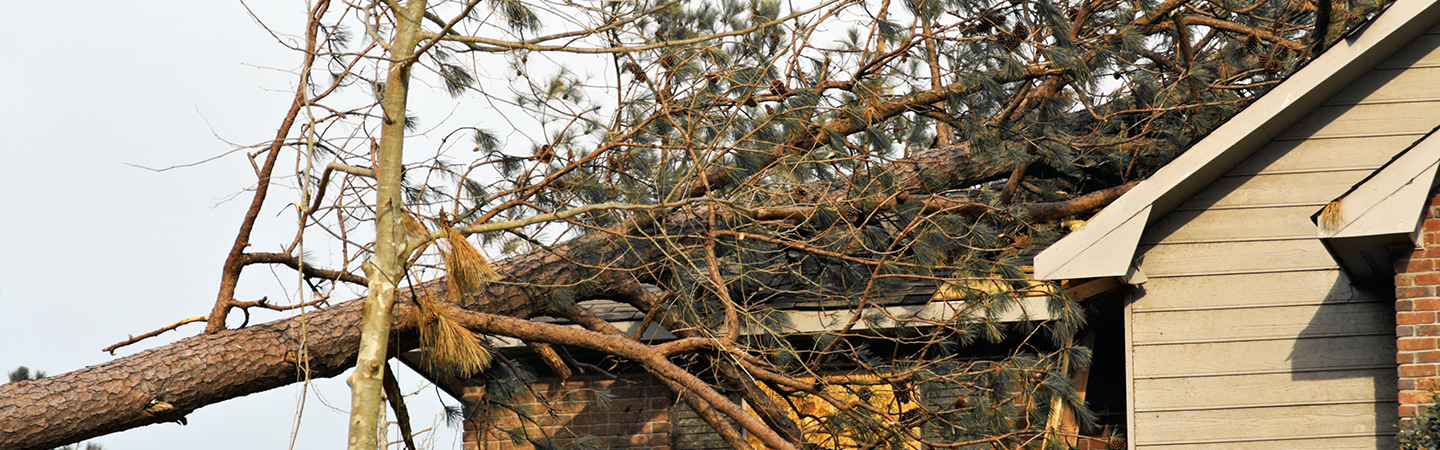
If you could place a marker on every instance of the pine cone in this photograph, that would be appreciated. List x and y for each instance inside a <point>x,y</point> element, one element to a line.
<point>618,163</point>
<point>902,391</point>
<point>778,87</point>
<point>1008,40</point>
<point>1252,42</point>
<point>635,69</point>
<point>1021,31</point>
<point>1274,65</point>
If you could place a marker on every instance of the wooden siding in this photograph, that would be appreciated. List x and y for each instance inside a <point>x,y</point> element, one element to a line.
<point>1263,390</point>
<point>1331,443</point>
<point>1247,334</point>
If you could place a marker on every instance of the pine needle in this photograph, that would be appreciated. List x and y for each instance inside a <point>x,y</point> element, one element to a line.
<point>448,345</point>
<point>1330,217</point>
<point>467,268</point>
<point>413,227</point>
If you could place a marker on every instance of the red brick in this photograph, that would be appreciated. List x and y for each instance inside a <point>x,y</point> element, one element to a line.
<point>1405,384</point>
<point>613,429</point>
<point>508,421</point>
<point>1428,252</point>
<point>590,418</point>
<point>1427,330</point>
<point>657,427</point>
<point>1432,356</point>
<point>1404,358</point>
<point>1414,292</point>
<point>1408,410</point>
<point>616,442</point>
<point>1404,331</point>
<point>1426,278</point>
<point>625,417</point>
<point>1415,343</point>
<point>1415,397</point>
<point>648,440</point>
<point>1404,305</point>
<point>1412,318</point>
<point>1426,383</point>
<point>1418,265</point>
<point>1427,304</point>
<point>1403,280</point>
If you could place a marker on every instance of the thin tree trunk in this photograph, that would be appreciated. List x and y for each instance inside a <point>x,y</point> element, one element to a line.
<point>384,270</point>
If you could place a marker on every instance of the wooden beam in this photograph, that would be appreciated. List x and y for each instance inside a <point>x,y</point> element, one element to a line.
<point>1094,287</point>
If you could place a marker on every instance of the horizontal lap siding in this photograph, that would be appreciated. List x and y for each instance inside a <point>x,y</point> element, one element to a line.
<point>1261,424</point>
<point>1239,324</point>
<point>1262,357</point>
<point>1247,334</point>
<point>1263,390</point>
<point>1261,290</point>
<point>1330,443</point>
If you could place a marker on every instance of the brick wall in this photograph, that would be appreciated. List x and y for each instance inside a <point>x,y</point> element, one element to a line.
<point>638,417</point>
<point>1417,303</point>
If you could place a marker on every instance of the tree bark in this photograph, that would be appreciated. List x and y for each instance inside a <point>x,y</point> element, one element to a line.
<point>385,268</point>
<point>136,390</point>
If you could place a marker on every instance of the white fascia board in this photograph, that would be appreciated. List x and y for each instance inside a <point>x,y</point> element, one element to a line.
<point>1393,200</point>
<point>1079,256</point>
<point>813,322</point>
<point>1108,251</point>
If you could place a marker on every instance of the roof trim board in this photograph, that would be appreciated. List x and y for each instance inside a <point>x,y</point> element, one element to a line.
<point>1390,201</point>
<point>1032,308</point>
<point>1083,255</point>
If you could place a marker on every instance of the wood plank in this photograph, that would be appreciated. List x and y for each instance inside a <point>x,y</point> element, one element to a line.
<point>1249,290</point>
<point>1366,120</point>
<point>1219,225</point>
<point>1290,189</point>
<point>1423,51</point>
<point>1263,323</point>
<point>1170,394</point>
<point>1263,423</point>
<point>1253,357</point>
<point>1096,288</point>
<point>1234,257</point>
<point>1338,443</point>
<point>1389,86</point>
<point>1315,155</point>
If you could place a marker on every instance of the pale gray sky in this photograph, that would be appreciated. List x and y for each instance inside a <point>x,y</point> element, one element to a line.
<point>94,250</point>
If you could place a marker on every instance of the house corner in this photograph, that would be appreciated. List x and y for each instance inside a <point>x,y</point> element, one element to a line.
<point>1417,316</point>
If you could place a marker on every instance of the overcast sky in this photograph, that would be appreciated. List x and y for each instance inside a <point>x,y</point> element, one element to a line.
<point>95,250</point>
